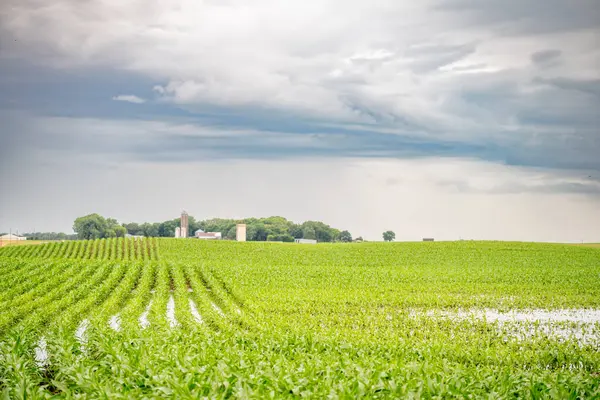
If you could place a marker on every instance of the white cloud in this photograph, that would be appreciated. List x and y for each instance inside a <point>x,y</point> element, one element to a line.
<point>129,98</point>
<point>335,59</point>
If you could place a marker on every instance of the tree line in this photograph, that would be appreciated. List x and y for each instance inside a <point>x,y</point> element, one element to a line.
<point>95,226</point>
<point>49,236</point>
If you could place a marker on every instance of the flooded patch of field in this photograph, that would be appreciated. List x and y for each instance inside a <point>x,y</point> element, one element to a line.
<point>218,310</point>
<point>195,313</point>
<point>587,316</point>
<point>41,352</point>
<point>578,325</point>
<point>115,323</point>
<point>171,313</point>
<point>81,333</point>
<point>144,322</point>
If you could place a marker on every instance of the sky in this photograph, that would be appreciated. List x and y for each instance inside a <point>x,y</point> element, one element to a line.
<point>452,119</point>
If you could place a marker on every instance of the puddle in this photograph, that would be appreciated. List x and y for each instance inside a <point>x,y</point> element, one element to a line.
<point>574,315</point>
<point>218,310</point>
<point>80,333</point>
<point>579,325</point>
<point>144,323</point>
<point>195,312</point>
<point>171,313</point>
<point>115,323</point>
<point>581,334</point>
<point>41,352</point>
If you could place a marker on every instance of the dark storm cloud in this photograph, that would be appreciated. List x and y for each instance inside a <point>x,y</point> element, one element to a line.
<point>514,114</point>
<point>591,87</point>
<point>546,57</point>
<point>590,187</point>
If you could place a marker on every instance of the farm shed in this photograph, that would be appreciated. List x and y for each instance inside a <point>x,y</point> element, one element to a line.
<point>200,234</point>
<point>10,237</point>
<point>306,241</point>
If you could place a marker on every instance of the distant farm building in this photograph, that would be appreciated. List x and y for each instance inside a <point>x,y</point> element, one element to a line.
<point>306,241</point>
<point>182,230</point>
<point>200,234</point>
<point>428,239</point>
<point>128,236</point>
<point>10,237</point>
<point>240,232</point>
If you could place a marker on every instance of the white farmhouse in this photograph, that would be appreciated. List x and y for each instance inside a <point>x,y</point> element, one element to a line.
<point>11,238</point>
<point>200,234</point>
<point>306,241</point>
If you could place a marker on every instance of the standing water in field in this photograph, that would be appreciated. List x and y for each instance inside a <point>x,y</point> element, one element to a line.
<point>144,323</point>
<point>41,352</point>
<point>579,325</point>
<point>115,323</point>
<point>80,333</point>
<point>574,315</point>
<point>218,310</point>
<point>171,313</point>
<point>195,312</point>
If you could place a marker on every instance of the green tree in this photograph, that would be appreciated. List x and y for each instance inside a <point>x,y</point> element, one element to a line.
<point>295,230</point>
<point>389,236</point>
<point>193,226</point>
<point>309,233</point>
<point>120,231</point>
<point>92,226</point>
<point>345,236</point>
<point>261,232</point>
<point>113,229</point>
<point>231,233</point>
<point>167,228</point>
<point>151,230</point>
<point>49,236</point>
<point>133,228</point>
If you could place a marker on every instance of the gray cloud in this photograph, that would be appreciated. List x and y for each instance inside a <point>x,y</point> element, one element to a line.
<point>554,186</point>
<point>546,57</point>
<point>591,86</point>
<point>527,16</point>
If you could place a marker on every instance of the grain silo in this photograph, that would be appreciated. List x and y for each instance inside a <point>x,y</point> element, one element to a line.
<point>184,224</point>
<point>240,232</point>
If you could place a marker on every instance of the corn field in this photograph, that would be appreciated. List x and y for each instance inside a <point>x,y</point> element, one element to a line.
<point>183,318</point>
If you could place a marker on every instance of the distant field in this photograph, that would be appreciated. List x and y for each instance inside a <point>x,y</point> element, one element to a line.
<point>597,245</point>
<point>177,318</point>
<point>20,242</point>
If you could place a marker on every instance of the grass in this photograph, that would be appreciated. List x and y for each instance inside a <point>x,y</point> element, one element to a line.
<point>369,320</point>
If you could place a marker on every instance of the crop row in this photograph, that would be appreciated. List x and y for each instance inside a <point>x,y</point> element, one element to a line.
<point>105,249</point>
<point>61,293</point>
